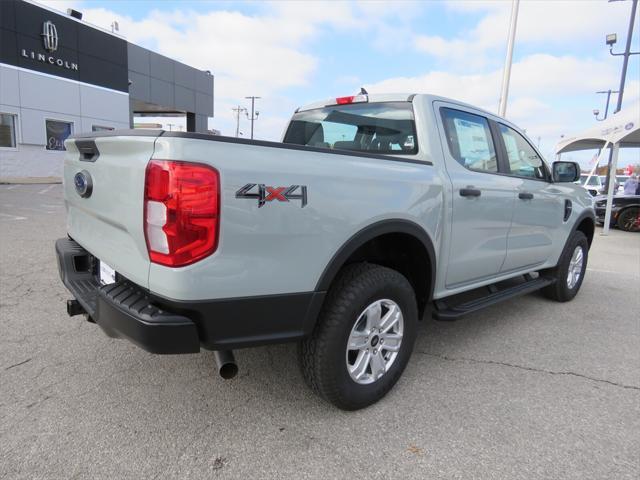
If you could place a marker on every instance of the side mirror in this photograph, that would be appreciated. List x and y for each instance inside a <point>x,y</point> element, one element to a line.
<point>565,172</point>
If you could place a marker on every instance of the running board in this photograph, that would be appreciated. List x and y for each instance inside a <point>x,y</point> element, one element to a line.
<point>445,312</point>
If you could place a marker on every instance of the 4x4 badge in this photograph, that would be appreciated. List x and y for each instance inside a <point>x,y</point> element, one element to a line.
<point>265,193</point>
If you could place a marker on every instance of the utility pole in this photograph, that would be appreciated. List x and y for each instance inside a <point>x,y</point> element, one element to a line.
<point>611,40</point>
<point>238,111</point>
<point>253,117</point>
<point>506,76</point>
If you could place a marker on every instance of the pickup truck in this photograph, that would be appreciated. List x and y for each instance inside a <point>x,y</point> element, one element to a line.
<point>371,212</point>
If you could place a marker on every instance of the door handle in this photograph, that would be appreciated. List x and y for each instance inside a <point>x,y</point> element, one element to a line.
<point>470,192</point>
<point>525,196</point>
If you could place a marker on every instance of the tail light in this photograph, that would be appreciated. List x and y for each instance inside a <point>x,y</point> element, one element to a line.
<point>181,212</point>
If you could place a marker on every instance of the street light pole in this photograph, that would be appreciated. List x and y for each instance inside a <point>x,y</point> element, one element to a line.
<point>506,76</point>
<point>606,108</point>
<point>611,40</point>
<point>253,117</point>
<point>606,113</point>
<point>627,53</point>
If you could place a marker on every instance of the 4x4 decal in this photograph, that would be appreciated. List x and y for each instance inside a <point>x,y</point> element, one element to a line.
<point>265,193</point>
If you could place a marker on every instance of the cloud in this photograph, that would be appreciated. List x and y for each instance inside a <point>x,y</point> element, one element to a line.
<point>272,52</point>
<point>259,54</point>
<point>556,24</point>
<point>538,75</point>
<point>546,97</point>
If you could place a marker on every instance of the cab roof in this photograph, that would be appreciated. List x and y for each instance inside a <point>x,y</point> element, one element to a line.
<point>393,97</point>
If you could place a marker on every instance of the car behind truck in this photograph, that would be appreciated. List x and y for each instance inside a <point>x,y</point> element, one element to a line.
<point>371,211</point>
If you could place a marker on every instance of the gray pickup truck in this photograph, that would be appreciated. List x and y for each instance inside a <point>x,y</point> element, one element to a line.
<point>371,211</point>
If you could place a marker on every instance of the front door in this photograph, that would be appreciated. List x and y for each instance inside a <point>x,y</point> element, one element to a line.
<point>539,207</point>
<point>482,201</point>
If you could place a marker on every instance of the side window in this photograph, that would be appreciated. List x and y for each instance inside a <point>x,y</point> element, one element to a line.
<point>469,140</point>
<point>7,130</point>
<point>99,128</point>
<point>523,159</point>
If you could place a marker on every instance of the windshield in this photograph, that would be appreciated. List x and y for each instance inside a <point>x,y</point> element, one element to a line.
<point>594,181</point>
<point>385,127</point>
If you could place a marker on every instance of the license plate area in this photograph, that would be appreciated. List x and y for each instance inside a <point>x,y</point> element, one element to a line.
<point>106,274</point>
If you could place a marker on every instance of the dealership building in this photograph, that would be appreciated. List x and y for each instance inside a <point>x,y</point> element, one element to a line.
<point>60,76</point>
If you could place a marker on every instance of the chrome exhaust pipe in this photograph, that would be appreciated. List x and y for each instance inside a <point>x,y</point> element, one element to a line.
<point>226,363</point>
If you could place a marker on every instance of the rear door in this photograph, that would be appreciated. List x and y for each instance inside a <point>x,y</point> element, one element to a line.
<point>539,206</point>
<point>482,199</point>
<point>108,222</point>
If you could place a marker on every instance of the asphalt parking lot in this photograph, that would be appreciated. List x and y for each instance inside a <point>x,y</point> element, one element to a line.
<point>524,390</point>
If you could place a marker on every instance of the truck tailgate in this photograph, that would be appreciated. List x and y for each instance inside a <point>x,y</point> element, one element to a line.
<point>109,222</point>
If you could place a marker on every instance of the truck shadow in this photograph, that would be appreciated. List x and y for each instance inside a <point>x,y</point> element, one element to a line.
<point>273,371</point>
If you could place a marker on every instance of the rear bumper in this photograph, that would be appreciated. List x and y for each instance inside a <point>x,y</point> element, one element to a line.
<point>159,325</point>
<point>122,309</point>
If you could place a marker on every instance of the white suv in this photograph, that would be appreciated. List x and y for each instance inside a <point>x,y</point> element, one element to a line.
<point>594,187</point>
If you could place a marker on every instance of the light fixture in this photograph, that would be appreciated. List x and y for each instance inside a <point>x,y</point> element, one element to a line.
<point>74,13</point>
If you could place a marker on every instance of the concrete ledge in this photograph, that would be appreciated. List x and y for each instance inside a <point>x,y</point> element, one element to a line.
<point>30,180</point>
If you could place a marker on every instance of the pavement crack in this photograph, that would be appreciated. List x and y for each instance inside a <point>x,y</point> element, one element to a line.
<point>531,369</point>
<point>17,364</point>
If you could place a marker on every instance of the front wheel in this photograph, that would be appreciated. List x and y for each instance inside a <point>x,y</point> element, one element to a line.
<point>629,220</point>
<point>364,337</point>
<point>570,271</point>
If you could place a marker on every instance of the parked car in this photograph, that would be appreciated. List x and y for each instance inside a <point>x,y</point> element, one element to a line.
<point>595,185</point>
<point>625,212</point>
<point>338,238</point>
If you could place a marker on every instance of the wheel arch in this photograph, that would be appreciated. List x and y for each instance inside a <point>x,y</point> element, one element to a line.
<point>586,223</point>
<point>390,243</point>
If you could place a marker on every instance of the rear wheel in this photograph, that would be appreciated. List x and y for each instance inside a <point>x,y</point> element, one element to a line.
<point>629,219</point>
<point>570,270</point>
<point>364,337</point>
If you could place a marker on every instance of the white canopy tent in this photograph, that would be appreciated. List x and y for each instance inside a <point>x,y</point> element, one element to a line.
<point>621,130</point>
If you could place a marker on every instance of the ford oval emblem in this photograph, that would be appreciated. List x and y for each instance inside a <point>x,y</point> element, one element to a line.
<point>83,183</point>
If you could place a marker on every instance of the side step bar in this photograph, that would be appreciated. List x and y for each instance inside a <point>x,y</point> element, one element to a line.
<point>445,312</point>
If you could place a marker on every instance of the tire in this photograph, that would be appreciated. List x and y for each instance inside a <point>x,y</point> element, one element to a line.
<point>325,358</point>
<point>629,219</point>
<point>565,289</point>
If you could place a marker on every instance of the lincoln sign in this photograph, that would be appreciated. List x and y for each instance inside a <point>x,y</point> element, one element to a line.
<point>50,39</point>
<point>41,57</point>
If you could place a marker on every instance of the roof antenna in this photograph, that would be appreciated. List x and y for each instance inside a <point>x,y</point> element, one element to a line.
<point>363,91</point>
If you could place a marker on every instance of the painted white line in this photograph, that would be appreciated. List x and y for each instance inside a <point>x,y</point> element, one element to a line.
<point>12,187</point>
<point>12,217</point>
<point>46,189</point>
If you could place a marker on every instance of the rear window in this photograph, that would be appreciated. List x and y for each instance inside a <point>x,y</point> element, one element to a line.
<point>385,127</point>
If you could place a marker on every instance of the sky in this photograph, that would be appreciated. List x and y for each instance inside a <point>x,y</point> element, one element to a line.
<point>296,52</point>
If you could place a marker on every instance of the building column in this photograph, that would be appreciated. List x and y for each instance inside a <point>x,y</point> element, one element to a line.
<point>191,122</point>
